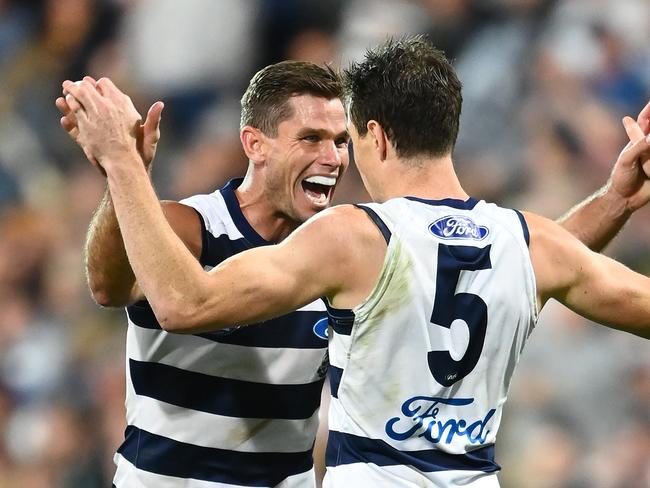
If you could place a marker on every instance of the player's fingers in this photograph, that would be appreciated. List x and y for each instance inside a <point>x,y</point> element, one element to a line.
<point>633,130</point>
<point>69,125</point>
<point>639,151</point>
<point>644,119</point>
<point>73,104</point>
<point>152,122</point>
<point>110,90</point>
<point>62,105</point>
<point>84,92</point>
<point>67,112</point>
<point>106,87</point>
<point>150,131</point>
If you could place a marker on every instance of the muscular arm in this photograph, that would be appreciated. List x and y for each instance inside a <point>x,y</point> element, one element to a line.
<point>337,254</point>
<point>110,277</point>
<point>254,285</point>
<point>591,284</point>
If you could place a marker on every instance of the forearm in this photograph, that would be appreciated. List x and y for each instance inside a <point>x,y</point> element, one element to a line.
<point>598,219</point>
<point>167,273</point>
<point>613,295</point>
<point>591,284</point>
<point>108,271</point>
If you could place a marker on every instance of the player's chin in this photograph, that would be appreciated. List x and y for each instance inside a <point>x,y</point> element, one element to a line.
<point>307,207</point>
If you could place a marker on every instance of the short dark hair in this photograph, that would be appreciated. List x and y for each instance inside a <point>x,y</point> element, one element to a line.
<point>266,101</point>
<point>412,90</point>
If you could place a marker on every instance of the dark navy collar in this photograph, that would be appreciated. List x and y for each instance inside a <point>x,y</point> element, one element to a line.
<point>250,234</point>
<point>468,204</point>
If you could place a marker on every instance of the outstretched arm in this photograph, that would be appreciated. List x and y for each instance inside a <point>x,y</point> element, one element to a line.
<point>591,284</point>
<point>252,286</point>
<point>597,219</point>
<point>337,254</point>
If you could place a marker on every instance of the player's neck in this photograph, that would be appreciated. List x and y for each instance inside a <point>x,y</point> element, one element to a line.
<point>261,214</point>
<point>431,179</point>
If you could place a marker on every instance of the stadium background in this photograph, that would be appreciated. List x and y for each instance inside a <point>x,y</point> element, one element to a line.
<point>546,83</point>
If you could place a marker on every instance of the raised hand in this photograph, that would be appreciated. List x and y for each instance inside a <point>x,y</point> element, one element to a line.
<point>69,121</point>
<point>630,177</point>
<point>147,134</point>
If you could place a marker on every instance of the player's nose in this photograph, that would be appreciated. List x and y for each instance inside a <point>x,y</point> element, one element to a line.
<point>331,154</point>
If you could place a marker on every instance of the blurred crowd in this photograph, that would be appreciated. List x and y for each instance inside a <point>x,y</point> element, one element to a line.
<point>546,83</point>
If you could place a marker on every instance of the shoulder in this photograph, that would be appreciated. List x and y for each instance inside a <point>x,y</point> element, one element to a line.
<point>186,223</point>
<point>179,214</point>
<point>546,236</point>
<point>345,222</point>
<point>545,233</point>
<point>211,207</point>
<point>338,213</point>
<point>559,259</point>
<point>342,236</point>
<point>344,248</point>
<point>210,210</point>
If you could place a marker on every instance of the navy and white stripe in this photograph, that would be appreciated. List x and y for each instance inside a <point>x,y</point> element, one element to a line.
<point>238,407</point>
<point>345,448</point>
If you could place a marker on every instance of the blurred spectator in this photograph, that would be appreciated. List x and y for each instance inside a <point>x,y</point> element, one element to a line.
<point>214,154</point>
<point>190,53</point>
<point>293,29</point>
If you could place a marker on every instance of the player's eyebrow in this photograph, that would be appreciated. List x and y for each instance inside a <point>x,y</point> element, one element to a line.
<point>343,135</point>
<point>323,133</point>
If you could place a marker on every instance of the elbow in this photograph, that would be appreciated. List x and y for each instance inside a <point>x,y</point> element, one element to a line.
<point>189,310</point>
<point>171,321</point>
<point>182,318</point>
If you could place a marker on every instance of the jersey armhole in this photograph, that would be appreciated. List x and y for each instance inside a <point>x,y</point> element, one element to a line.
<point>381,225</point>
<point>524,226</point>
<point>204,239</point>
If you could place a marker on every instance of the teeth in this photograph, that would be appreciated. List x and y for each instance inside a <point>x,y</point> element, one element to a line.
<point>322,180</point>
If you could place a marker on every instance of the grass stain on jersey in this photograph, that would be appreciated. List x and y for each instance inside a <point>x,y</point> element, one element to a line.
<point>392,293</point>
<point>247,430</point>
<point>393,290</point>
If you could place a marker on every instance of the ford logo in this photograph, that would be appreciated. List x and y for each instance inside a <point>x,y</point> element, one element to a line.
<point>320,328</point>
<point>458,227</point>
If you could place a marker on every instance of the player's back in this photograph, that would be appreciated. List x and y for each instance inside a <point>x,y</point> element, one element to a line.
<point>420,370</point>
<point>219,409</point>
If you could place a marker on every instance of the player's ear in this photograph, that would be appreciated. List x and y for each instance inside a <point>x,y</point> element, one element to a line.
<point>252,140</point>
<point>380,140</point>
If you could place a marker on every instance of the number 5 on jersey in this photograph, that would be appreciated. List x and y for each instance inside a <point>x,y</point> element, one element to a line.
<point>449,306</point>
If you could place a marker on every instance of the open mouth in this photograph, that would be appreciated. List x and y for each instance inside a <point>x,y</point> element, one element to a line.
<point>319,189</point>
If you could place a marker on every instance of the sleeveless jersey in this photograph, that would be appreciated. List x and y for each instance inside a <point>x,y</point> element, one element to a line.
<point>237,407</point>
<point>420,370</point>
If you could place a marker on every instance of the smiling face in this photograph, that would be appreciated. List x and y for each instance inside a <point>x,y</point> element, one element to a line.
<point>307,157</point>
